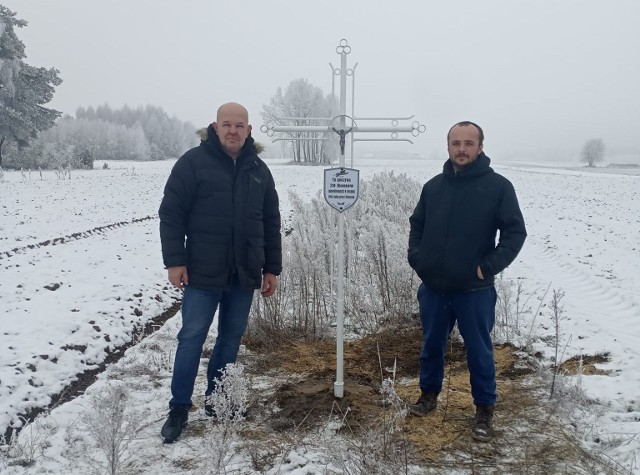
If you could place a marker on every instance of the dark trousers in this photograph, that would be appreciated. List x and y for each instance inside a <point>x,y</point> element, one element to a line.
<point>475,312</point>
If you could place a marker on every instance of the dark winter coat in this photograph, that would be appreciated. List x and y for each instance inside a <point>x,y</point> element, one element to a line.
<point>454,227</point>
<point>229,213</point>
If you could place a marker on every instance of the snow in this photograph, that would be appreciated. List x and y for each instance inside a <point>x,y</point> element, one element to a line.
<point>107,279</point>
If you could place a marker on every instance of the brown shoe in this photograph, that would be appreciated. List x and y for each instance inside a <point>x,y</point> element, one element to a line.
<point>425,404</point>
<point>483,425</point>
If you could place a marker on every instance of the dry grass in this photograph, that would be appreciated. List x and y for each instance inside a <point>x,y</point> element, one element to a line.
<point>531,438</point>
<point>587,366</point>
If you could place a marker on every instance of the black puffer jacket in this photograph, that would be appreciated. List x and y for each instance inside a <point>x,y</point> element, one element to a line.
<point>454,226</point>
<point>228,212</point>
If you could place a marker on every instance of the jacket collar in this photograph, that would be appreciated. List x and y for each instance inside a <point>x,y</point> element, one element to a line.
<point>211,141</point>
<point>479,166</point>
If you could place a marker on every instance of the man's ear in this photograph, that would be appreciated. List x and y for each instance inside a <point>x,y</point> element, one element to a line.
<point>215,126</point>
<point>249,129</point>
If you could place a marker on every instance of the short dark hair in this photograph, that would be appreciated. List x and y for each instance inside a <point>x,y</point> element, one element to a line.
<point>465,123</point>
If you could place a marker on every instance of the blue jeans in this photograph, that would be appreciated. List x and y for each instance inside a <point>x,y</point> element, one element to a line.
<point>475,312</point>
<point>198,309</point>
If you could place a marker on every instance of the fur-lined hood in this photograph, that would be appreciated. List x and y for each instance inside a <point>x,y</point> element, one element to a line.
<point>204,136</point>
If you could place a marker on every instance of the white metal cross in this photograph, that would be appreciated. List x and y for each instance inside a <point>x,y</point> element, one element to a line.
<point>342,130</point>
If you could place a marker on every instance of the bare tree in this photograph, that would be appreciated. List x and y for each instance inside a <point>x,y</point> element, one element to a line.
<point>593,152</point>
<point>302,103</point>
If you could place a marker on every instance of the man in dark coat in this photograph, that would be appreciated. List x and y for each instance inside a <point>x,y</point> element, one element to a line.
<point>452,248</point>
<point>220,233</point>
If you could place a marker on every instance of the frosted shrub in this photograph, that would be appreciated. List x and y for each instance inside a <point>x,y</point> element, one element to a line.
<point>303,304</point>
<point>398,408</point>
<point>153,363</point>
<point>511,308</point>
<point>229,402</point>
<point>557,309</point>
<point>27,445</point>
<point>380,286</point>
<point>230,398</point>
<point>380,450</point>
<point>112,424</point>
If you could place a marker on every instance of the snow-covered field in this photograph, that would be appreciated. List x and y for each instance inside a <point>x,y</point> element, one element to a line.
<point>81,269</point>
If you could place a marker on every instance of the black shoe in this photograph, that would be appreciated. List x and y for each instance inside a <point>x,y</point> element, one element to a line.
<point>425,404</point>
<point>177,419</point>
<point>483,424</point>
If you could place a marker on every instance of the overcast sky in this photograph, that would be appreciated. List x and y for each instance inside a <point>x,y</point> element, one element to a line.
<point>540,76</point>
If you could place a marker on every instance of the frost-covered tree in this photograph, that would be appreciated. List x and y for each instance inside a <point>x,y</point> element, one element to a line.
<point>111,134</point>
<point>167,137</point>
<point>592,152</point>
<point>24,89</point>
<point>299,102</point>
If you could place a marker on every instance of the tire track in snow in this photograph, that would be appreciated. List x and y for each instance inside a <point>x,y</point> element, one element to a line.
<point>72,237</point>
<point>587,328</point>
<point>109,297</point>
<point>587,304</point>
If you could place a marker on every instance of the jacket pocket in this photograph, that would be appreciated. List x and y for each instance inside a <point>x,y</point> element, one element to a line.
<point>255,260</point>
<point>413,258</point>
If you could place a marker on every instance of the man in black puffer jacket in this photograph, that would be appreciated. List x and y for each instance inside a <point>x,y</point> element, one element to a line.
<point>452,248</point>
<point>220,233</point>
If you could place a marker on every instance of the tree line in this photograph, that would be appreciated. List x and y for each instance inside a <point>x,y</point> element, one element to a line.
<point>33,136</point>
<point>103,133</point>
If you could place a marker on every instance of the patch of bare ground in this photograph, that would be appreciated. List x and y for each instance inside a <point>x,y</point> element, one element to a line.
<point>585,364</point>
<point>531,438</point>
